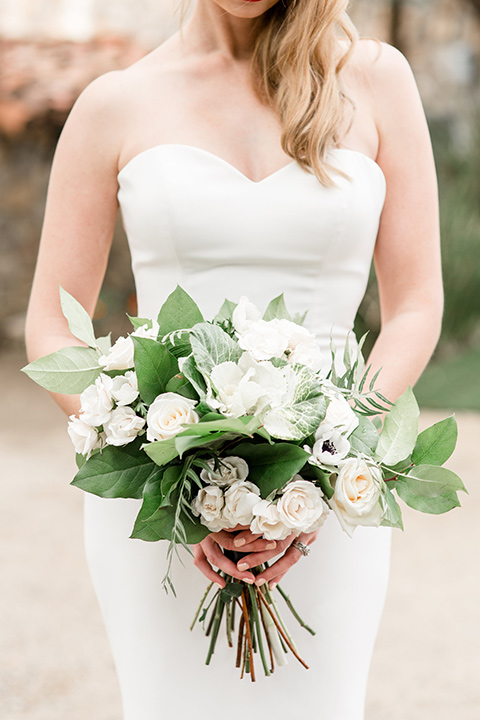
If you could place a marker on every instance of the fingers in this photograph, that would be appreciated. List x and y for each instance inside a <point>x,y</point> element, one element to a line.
<point>214,556</point>
<point>276,572</point>
<point>244,541</point>
<point>200,561</point>
<point>260,557</point>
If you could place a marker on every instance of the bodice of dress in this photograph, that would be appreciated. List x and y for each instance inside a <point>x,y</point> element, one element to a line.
<point>195,220</point>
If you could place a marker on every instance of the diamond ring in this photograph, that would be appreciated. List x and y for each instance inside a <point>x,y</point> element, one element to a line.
<point>304,549</point>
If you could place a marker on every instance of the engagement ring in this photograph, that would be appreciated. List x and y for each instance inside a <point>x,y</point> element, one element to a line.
<point>304,549</point>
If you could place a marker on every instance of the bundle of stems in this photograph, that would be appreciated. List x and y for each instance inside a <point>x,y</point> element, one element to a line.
<point>261,629</point>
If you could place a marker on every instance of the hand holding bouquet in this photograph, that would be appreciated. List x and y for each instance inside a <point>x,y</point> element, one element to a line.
<point>240,422</point>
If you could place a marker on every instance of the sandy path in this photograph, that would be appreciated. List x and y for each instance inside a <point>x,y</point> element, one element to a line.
<point>55,662</point>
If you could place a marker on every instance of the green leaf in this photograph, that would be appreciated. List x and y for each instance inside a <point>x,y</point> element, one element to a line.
<point>170,480</point>
<point>305,412</point>
<point>152,499</point>
<point>277,309</point>
<point>159,524</point>
<point>393,513</point>
<point>226,311</point>
<point>69,370</point>
<point>154,366</point>
<point>116,472</point>
<point>436,444</point>
<point>364,439</point>
<point>194,376</point>
<point>79,321</point>
<point>179,311</point>
<point>211,346</point>
<point>230,591</point>
<point>271,466</point>
<point>432,505</point>
<point>139,322</point>
<point>161,451</point>
<point>400,429</point>
<point>181,386</point>
<point>321,478</point>
<point>432,480</point>
<point>246,425</point>
<point>104,343</point>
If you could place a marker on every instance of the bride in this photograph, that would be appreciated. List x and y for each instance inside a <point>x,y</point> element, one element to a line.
<point>262,149</point>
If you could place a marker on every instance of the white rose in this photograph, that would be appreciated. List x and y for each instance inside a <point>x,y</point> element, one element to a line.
<point>356,495</point>
<point>231,469</point>
<point>96,401</point>
<point>341,416</point>
<point>209,505</point>
<point>125,388</point>
<point>167,414</point>
<point>240,499</point>
<point>330,446</point>
<point>237,394</point>
<point>146,332</point>
<point>264,340</point>
<point>244,314</point>
<point>83,436</point>
<point>274,382</point>
<point>301,505</point>
<point>267,522</point>
<point>307,353</point>
<point>123,426</point>
<point>120,355</point>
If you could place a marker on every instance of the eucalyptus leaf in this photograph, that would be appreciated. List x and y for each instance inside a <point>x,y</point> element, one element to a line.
<point>432,480</point>
<point>400,430</point>
<point>271,466</point>
<point>116,472</point>
<point>69,370</point>
<point>277,309</point>
<point>364,439</point>
<point>155,366</point>
<point>79,321</point>
<point>432,505</point>
<point>436,444</point>
<point>179,311</point>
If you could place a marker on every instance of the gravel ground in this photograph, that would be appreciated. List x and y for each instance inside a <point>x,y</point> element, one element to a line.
<point>55,663</point>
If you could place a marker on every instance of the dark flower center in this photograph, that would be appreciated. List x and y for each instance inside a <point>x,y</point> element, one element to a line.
<point>329,447</point>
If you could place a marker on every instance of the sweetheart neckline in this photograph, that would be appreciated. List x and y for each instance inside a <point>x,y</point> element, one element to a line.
<point>233,167</point>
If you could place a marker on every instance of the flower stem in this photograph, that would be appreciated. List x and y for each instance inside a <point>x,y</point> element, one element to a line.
<point>280,630</point>
<point>256,620</point>
<point>248,637</point>
<point>219,608</point>
<point>293,611</point>
<point>201,605</point>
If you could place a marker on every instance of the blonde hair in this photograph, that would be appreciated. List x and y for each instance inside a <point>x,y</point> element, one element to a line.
<point>295,69</point>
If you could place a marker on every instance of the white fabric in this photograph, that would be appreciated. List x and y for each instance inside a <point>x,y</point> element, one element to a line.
<point>193,219</point>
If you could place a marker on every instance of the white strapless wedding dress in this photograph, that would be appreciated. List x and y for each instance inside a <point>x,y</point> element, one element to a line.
<point>193,219</point>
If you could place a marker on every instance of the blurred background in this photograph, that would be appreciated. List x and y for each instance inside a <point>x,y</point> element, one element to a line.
<point>54,660</point>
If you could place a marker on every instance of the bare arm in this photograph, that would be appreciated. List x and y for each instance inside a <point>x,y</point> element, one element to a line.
<point>79,220</point>
<point>407,253</point>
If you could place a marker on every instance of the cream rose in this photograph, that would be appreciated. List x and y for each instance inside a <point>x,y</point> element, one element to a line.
<point>83,436</point>
<point>231,469</point>
<point>356,495</point>
<point>240,499</point>
<point>120,355</point>
<point>267,522</point>
<point>167,414</point>
<point>125,388</point>
<point>96,401</point>
<point>209,505</point>
<point>236,393</point>
<point>147,332</point>
<point>123,426</point>
<point>301,505</point>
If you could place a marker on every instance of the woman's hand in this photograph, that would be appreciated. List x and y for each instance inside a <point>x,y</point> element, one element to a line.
<point>208,553</point>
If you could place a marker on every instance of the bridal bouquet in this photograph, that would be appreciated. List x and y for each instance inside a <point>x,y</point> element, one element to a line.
<point>240,421</point>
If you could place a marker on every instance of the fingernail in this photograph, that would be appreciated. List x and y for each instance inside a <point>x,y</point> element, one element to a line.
<point>238,542</point>
<point>219,585</point>
<point>242,566</point>
<point>272,586</point>
<point>250,581</point>
<point>260,582</point>
<point>270,545</point>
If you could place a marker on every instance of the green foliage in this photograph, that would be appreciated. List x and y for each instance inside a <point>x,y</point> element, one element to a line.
<point>79,321</point>
<point>430,488</point>
<point>155,366</point>
<point>211,346</point>
<point>277,309</point>
<point>69,370</point>
<point>179,311</point>
<point>225,312</point>
<point>392,512</point>
<point>400,429</point>
<point>364,439</point>
<point>117,472</point>
<point>271,466</point>
<point>139,322</point>
<point>436,444</point>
